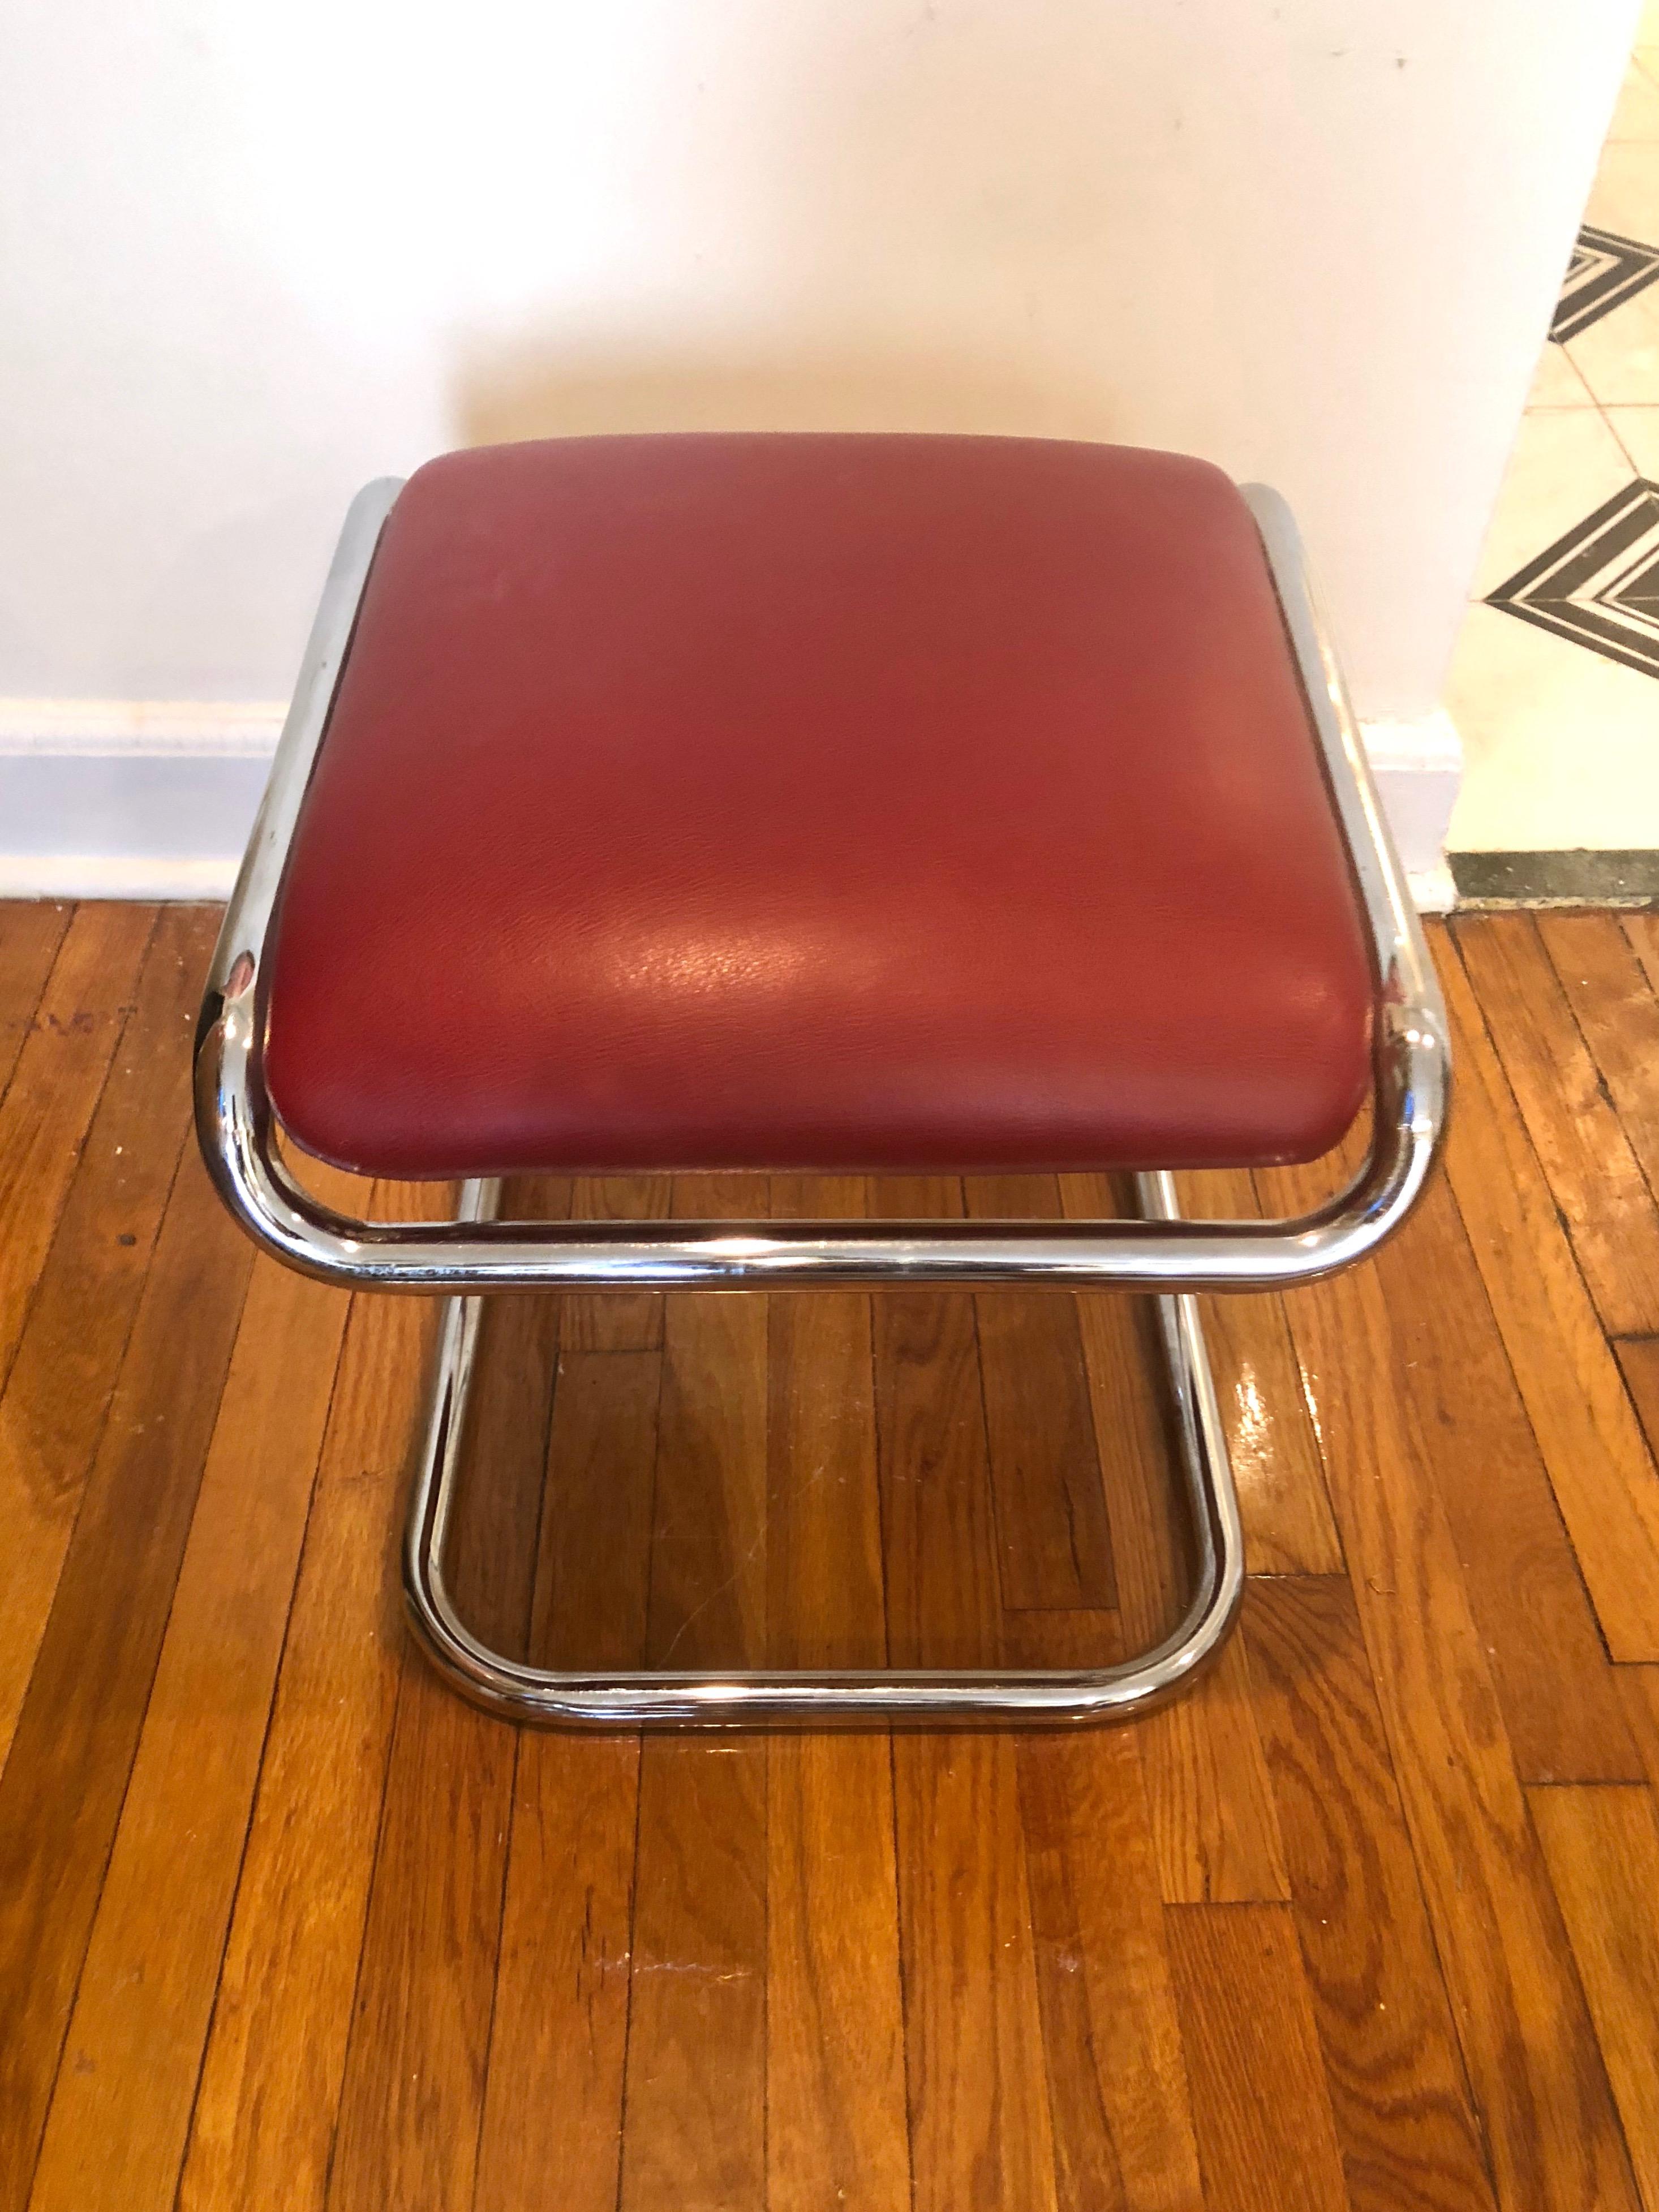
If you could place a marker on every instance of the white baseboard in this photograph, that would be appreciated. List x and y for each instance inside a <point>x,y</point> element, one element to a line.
<point>154,799</point>
<point>130,798</point>
<point>1418,767</point>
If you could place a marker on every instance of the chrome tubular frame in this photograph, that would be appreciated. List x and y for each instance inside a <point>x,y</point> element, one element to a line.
<point>1157,1252</point>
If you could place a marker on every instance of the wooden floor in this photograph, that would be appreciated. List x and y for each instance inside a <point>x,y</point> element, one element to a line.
<point>1371,1920</point>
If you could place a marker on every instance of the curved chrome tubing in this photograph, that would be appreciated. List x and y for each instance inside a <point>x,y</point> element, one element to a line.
<point>955,1697</point>
<point>1158,1252</point>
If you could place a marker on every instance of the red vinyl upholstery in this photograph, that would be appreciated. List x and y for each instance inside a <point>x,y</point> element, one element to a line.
<point>837,802</point>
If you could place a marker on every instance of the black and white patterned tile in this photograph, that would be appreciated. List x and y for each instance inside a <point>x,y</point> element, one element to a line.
<point>1604,271</point>
<point>1598,584</point>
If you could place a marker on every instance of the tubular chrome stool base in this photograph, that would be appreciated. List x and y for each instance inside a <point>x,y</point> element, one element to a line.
<point>879,1697</point>
<point>1158,1253</point>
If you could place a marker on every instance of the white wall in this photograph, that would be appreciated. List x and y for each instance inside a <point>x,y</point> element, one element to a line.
<point>257,254</point>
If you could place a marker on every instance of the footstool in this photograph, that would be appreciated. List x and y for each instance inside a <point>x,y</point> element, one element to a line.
<point>818,803</point>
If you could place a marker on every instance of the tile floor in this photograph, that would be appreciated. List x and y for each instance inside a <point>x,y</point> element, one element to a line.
<point>1555,686</point>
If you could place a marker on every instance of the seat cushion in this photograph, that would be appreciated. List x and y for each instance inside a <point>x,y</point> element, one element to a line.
<point>837,802</point>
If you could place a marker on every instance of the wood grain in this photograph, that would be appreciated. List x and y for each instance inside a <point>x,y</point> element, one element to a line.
<point>1404,2118</point>
<point>1213,1822</point>
<point>1527,2042</point>
<point>262,2129</point>
<point>55,1085</point>
<point>824,1599</point>
<point>54,1402</point>
<point>412,2099</point>
<point>975,2088</point>
<point>1640,1688</point>
<point>594,1575</point>
<point>836,2134</point>
<point>1603,1846</point>
<point>1117,2076</point>
<point>1277,1469</point>
<point>694,2129</point>
<point>1054,1541</point>
<point>980,2128</point>
<point>1593,1174</point>
<point>1265,2130</point>
<point>834,2027</point>
<point>30,935</point>
<point>145,1993</point>
<point>61,1792</point>
<point>490,1559</point>
<point>707,1605</point>
<point>939,1534</point>
<point>1618,1015</point>
<point>553,2097</point>
<point>1599,1465</point>
<point>1525,1595</point>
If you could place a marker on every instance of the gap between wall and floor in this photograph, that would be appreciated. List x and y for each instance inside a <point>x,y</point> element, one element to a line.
<point>154,799</point>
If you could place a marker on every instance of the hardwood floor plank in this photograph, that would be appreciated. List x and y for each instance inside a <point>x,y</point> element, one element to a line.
<point>1641,930</point>
<point>262,2129</point>
<point>836,2134</point>
<point>55,1400</point>
<point>980,2127</point>
<point>1599,1465</point>
<point>707,1605</point>
<point>116,2129</point>
<point>31,931</point>
<point>1407,2131</point>
<point>1603,1846</point>
<point>1640,1688</point>
<point>1118,2094</point>
<point>938,1535</point>
<point>491,1560</point>
<point>1593,1174</point>
<point>55,1086</point>
<point>592,1582</point>
<point>1054,1542</point>
<point>824,1599</point>
<point>553,2097</point>
<point>1561,1708</point>
<point>1618,1015</point>
<point>835,2027</point>
<point>61,1792</point>
<point>413,2092</point>
<point>411,2103</point>
<point>1532,2065</point>
<point>1265,2130</point>
<point>1213,1821</point>
<point>1277,1470</point>
<point>694,2125</point>
<point>693,2131</point>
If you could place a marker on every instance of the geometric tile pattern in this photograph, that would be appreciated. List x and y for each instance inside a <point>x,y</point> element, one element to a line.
<point>1599,584</point>
<point>1604,272</point>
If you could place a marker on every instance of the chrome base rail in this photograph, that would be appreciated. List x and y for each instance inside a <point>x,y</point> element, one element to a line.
<point>953,1698</point>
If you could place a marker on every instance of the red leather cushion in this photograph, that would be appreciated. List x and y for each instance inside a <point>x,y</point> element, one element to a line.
<point>817,801</point>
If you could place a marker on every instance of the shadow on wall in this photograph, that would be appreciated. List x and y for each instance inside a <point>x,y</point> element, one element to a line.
<point>530,389</point>
<point>855,216</point>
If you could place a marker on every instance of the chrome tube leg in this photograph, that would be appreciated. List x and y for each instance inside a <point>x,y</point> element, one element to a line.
<point>942,1699</point>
